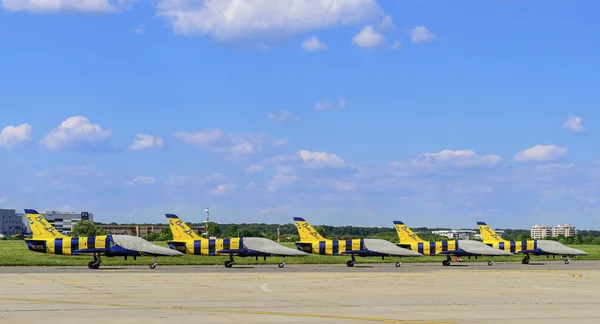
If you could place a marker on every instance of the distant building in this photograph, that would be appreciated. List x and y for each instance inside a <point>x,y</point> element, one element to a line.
<point>455,234</point>
<point>62,221</point>
<point>564,229</point>
<point>10,223</point>
<point>540,231</point>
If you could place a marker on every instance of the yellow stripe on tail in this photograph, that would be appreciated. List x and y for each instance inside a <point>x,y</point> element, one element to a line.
<point>40,228</point>
<point>405,234</point>
<point>488,235</point>
<point>307,232</point>
<point>180,230</point>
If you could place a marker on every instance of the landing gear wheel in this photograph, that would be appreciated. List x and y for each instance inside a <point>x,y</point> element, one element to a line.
<point>566,261</point>
<point>525,260</point>
<point>228,264</point>
<point>398,264</point>
<point>153,266</point>
<point>350,263</point>
<point>491,263</point>
<point>446,263</point>
<point>93,265</point>
<point>281,265</point>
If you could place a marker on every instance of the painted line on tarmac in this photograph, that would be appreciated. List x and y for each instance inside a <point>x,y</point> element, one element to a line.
<point>264,287</point>
<point>227,311</point>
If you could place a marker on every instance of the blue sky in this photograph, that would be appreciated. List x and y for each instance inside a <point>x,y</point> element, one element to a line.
<point>355,112</point>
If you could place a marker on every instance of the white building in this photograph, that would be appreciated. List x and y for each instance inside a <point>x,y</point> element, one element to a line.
<point>540,231</point>
<point>455,234</point>
<point>62,221</point>
<point>564,229</point>
<point>10,223</point>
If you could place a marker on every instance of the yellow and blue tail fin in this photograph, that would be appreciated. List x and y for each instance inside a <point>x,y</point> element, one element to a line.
<point>306,231</point>
<point>405,234</point>
<point>40,228</point>
<point>180,230</point>
<point>488,234</point>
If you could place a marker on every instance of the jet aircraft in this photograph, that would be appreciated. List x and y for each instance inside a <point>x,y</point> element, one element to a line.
<point>468,248</point>
<point>311,241</point>
<point>46,239</point>
<point>187,241</point>
<point>527,247</point>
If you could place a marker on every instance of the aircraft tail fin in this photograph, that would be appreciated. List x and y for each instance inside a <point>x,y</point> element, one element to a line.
<point>306,231</point>
<point>488,234</point>
<point>181,231</point>
<point>405,234</point>
<point>40,227</point>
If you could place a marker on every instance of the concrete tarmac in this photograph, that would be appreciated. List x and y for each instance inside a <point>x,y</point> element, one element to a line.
<point>544,292</point>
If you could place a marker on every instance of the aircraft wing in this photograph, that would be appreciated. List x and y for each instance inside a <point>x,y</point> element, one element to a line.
<point>470,247</point>
<point>258,246</point>
<point>548,247</point>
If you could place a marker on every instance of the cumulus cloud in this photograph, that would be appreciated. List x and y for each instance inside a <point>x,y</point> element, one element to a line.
<point>387,24</point>
<point>573,124</point>
<point>283,117</point>
<point>14,136</point>
<point>262,20</point>
<point>89,6</point>
<point>76,133</point>
<point>541,153</point>
<point>276,209</point>
<point>254,169</point>
<point>143,180</point>
<point>144,141</point>
<point>313,44</point>
<point>320,160</point>
<point>223,189</point>
<point>421,34</point>
<point>368,37</point>
<point>453,158</point>
<point>326,105</point>
<point>229,143</point>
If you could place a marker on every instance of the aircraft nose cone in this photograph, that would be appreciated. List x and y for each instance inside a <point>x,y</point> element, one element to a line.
<point>164,251</point>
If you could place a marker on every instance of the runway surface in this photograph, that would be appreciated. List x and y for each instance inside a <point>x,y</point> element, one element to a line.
<point>552,292</point>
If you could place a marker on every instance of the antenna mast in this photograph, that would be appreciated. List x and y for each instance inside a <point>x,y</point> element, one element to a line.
<point>206,223</point>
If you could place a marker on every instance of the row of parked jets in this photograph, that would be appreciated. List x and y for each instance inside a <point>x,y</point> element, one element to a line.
<point>46,239</point>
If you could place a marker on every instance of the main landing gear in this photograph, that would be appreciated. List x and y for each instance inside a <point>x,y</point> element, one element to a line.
<point>491,262</point>
<point>447,261</point>
<point>153,265</point>
<point>282,264</point>
<point>568,259</point>
<point>229,263</point>
<point>96,263</point>
<point>525,259</point>
<point>350,263</point>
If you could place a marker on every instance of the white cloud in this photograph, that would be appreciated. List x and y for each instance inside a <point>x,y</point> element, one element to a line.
<point>263,20</point>
<point>573,124</point>
<point>254,169</point>
<point>540,153</point>
<point>139,29</point>
<point>396,44</point>
<point>326,105</point>
<point>553,167</point>
<point>421,34</point>
<point>145,141</point>
<point>76,132</point>
<point>456,158</point>
<point>270,210</point>
<point>320,160</point>
<point>283,117</point>
<point>223,189</point>
<point>3,199</point>
<point>313,44</point>
<point>281,180</point>
<point>368,37</point>
<point>176,180</point>
<point>90,6</point>
<point>143,180</point>
<point>387,24</point>
<point>229,143</point>
<point>13,136</point>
